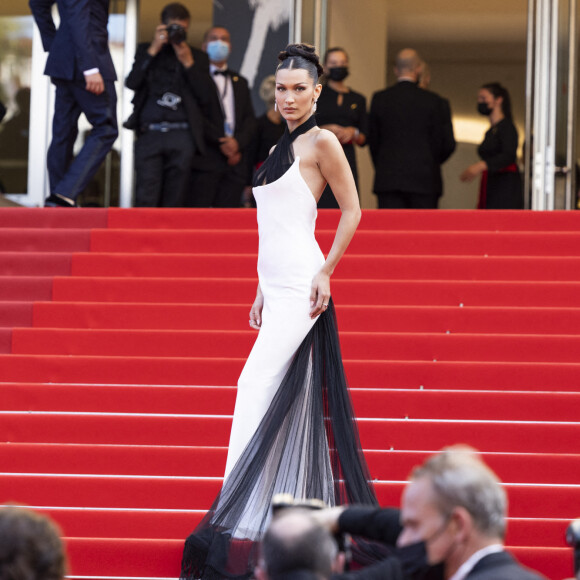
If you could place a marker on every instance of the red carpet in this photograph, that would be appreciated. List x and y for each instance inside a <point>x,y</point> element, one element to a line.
<point>122,334</point>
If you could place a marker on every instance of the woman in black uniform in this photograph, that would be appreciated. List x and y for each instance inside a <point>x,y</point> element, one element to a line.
<point>501,185</point>
<point>342,111</point>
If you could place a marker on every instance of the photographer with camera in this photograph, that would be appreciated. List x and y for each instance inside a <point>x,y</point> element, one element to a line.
<point>171,82</point>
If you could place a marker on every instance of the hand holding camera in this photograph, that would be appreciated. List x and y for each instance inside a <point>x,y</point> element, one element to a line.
<point>176,35</point>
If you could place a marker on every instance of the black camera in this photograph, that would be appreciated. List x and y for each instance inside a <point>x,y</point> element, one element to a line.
<point>176,34</point>
<point>573,539</point>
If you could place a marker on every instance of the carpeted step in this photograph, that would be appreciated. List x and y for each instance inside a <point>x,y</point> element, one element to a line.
<point>528,501</point>
<point>490,220</point>
<point>355,345</point>
<point>13,313</point>
<point>178,524</point>
<point>146,558</point>
<point>123,558</point>
<point>184,461</point>
<point>195,430</point>
<point>35,263</point>
<point>453,319</point>
<point>5,340</point>
<point>386,292</point>
<point>368,403</point>
<point>50,240</point>
<point>563,377</point>
<point>53,218</point>
<point>25,288</point>
<point>375,242</point>
<point>384,267</point>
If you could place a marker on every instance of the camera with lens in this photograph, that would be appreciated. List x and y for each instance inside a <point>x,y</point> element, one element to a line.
<point>285,501</point>
<point>176,34</point>
<point>573,539</point>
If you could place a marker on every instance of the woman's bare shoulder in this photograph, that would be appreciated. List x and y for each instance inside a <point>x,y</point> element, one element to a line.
<point>326,141</point>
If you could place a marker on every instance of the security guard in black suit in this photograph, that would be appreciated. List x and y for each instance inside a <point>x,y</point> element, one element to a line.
<point>220,176</point>
<point>410,136</point>
<point>80,66</point>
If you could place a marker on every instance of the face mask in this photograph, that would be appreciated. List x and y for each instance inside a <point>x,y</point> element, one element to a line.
<point>338,73</point>
<point>218,50</point>
<point>484,109</point>
<point>415,565</point>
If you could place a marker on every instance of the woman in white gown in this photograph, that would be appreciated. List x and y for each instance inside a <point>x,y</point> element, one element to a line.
<point>293,430</point>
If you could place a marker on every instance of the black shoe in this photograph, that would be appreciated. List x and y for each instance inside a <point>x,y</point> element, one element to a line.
<point>55,200</point>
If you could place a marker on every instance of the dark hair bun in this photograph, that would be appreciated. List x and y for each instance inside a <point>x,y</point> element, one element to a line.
<point>302,50</point>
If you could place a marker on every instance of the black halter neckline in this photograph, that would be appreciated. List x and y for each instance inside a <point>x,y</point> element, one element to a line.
<point>282,157</point>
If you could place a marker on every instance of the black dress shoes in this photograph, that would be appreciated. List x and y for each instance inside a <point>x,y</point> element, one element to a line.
<point>55,200</point>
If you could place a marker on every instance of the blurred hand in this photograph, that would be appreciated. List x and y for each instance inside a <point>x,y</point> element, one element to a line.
<point>256,311</point>
<point>473,171</point>
<point>183,53</point>
<point>229,146</point>
<point>159,39</point>
<point>95,83</point>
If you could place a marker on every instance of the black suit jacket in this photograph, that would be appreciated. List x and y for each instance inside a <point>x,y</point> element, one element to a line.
<point>81,41</point>
<point>501,566</point>
<point>410,136</point>
<point>214,127</point>
<point>198,82</point>
<point>380,525</point>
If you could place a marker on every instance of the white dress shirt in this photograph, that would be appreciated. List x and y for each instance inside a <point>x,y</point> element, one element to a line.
<point>469,564</point>
<point>225,89</point>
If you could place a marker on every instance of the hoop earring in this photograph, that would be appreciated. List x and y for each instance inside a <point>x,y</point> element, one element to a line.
<point>314,107</point>
<point>275,106</point>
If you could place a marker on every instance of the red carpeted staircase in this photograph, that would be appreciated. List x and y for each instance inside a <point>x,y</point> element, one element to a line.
<point>122,334</point>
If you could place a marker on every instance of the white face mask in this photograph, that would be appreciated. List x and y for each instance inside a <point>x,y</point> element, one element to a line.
<point>218,50</point>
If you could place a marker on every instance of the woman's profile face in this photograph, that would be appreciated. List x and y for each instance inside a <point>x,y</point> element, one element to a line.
<point>295,93</point>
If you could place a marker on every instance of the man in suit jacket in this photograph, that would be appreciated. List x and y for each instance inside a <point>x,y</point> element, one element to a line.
<point>220,175</point>
<point>171,82</point>
<point>410,136</point>
<point>453,518</point>
<point>80,66</point>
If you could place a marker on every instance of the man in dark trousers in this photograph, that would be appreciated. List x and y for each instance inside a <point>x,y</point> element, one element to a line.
<point>80,66</point>
<point>410,136</point>
<point>219,177</point>
<point>171,81</point>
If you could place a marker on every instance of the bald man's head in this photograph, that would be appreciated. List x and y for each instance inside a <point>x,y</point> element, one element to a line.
<point>408,63</point>
<point>295,541</point>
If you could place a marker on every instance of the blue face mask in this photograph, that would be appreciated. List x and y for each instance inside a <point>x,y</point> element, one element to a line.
<point>218,50</point>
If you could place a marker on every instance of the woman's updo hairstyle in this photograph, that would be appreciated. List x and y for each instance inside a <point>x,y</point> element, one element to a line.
<point>301,56</point>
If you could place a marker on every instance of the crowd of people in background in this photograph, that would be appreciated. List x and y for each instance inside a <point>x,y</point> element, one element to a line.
<point>198,142</point>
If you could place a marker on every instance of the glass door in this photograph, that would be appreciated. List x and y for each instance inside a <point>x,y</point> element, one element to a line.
<point>551,165</point>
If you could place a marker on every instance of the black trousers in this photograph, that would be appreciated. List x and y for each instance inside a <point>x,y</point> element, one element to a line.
<point>407,200</point>
<point>220,188</point>
<point>163,166</point>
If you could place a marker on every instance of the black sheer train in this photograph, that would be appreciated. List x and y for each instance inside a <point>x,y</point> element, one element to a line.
<point>307,445</point>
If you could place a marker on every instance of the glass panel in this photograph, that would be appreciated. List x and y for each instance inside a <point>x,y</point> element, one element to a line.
<point>15,73</point>
<point>308,21</point>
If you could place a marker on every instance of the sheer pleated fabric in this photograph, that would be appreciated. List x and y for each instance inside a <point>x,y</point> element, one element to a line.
<point>307,445</point>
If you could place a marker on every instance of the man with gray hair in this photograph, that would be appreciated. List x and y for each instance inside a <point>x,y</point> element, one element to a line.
<point>453,518</point>
<point>295,546</point>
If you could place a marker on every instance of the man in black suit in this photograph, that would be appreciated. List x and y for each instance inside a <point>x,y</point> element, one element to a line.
<point>80,66</point>
<point>453,516</point>
<point>171,81</point>
<point>410,136</point>
<point>220,175</point>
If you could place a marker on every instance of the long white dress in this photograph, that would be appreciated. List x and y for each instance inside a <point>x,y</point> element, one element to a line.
<point>293,429</point>
<point>288,259</point>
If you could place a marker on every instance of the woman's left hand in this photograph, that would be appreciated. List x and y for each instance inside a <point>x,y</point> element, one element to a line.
<point>473,171</point>
<point>319,294</point>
